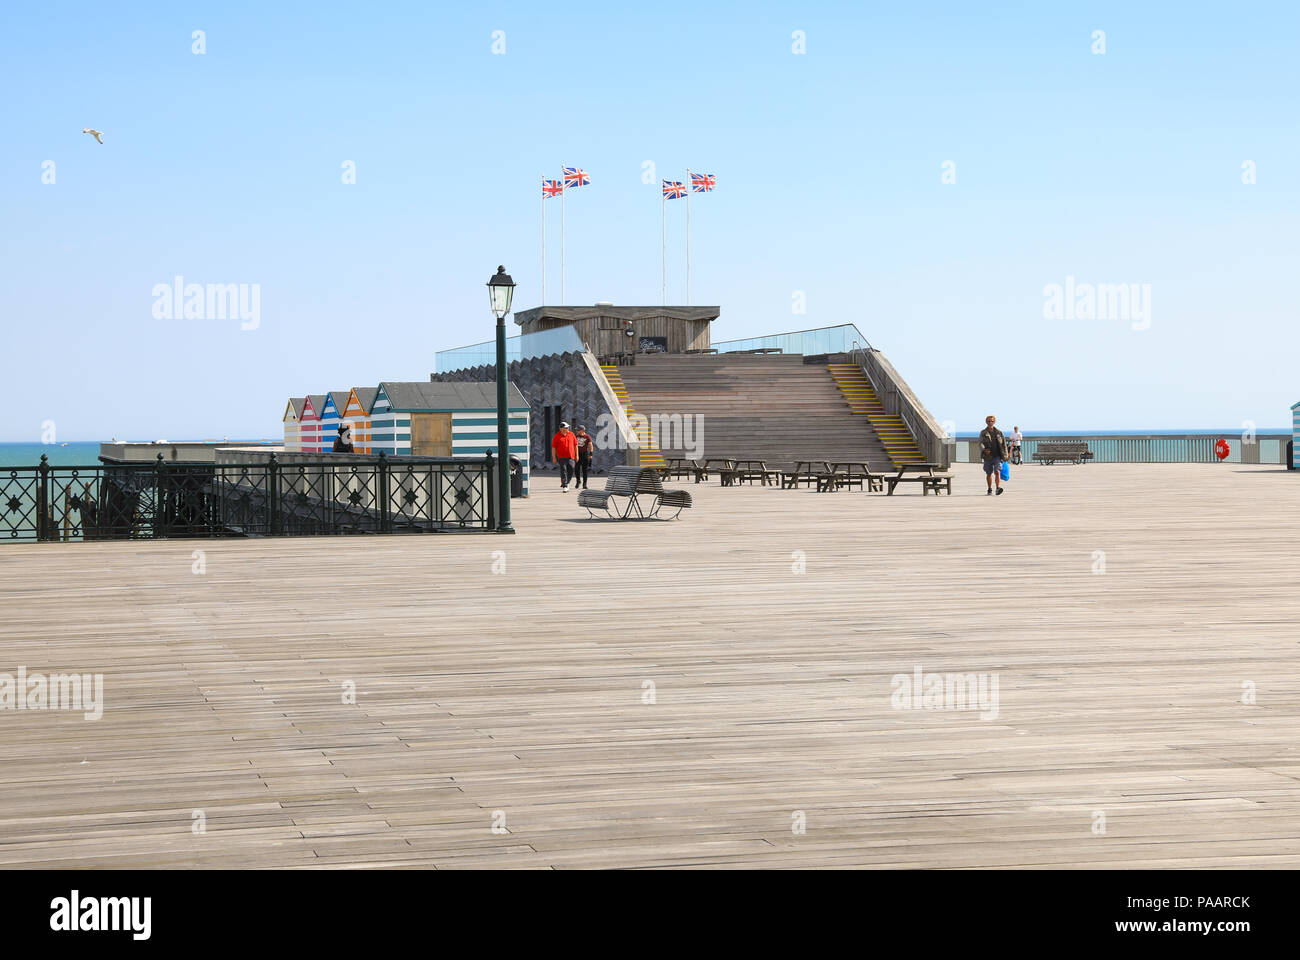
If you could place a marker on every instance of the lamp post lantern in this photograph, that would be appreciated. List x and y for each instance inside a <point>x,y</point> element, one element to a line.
<point>501,290</point>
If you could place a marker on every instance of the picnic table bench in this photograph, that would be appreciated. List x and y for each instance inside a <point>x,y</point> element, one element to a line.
<point>718,464</point>
<point>683,467</point>
<point>1070,451</point>
<point>751,470</point>
<point>850,474</point>
<point>733,472</point>
<point>804,471</point>
<point>631,483</point>
<point>923,473</point>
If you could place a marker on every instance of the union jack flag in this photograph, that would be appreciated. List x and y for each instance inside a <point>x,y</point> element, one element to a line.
<point>552,188</point>
<point>573,177</point>
<point>703,182</point>
<point>674,190</point>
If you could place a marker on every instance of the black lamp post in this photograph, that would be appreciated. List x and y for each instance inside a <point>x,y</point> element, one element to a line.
<point>501,289</point>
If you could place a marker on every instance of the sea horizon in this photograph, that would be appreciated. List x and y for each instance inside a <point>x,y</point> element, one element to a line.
<point>14,453</point>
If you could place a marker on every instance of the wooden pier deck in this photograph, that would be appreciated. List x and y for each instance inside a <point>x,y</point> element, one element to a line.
<point>517,697</point>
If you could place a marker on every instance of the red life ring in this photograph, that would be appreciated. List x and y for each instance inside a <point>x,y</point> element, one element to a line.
<point>1221,449</point>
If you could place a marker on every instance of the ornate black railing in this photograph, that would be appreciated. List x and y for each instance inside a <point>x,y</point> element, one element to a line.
<point>294,496</point>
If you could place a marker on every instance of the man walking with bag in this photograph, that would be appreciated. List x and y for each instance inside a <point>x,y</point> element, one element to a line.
<point>993,450</point>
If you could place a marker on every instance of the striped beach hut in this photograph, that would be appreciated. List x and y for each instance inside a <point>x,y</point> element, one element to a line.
<point>424,419</point>
<point>309,423</point>
<point>292,419</point>
<point>1295,436</point>
<point>331,415</point>
<point>357,414</point>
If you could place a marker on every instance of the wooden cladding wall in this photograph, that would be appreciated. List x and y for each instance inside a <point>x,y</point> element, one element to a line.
<point>682,335</point>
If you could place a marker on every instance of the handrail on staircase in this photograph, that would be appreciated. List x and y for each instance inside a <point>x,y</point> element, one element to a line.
<point>895,402</point>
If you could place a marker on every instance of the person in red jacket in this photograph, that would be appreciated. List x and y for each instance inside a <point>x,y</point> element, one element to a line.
<point>564,451</point>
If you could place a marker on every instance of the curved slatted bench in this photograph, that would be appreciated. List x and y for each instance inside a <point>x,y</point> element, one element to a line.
<point>675,500</point>
<point>631,483</point>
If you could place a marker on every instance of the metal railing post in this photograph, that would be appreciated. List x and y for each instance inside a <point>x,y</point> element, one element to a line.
<point>385,498</point>
<point>160,473</point>
<point>42,497</point>
<point>487,490</point>
<point>272,496</point>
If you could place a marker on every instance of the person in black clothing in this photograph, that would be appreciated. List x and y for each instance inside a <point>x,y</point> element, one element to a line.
<point>993,449</point>
<point>586,446</point>
<point>343,442</point>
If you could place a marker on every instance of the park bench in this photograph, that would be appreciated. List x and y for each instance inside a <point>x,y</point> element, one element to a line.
<point>1072,451</point>
<point>631,483</point>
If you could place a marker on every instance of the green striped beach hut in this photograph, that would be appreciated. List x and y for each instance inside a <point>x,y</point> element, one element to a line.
<point>425,419</point>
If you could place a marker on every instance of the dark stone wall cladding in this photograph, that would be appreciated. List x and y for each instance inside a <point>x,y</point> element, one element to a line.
<point>557,379</point>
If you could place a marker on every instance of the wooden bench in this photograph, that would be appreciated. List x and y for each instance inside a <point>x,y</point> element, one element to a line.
<point>631,483</point>
<point>1071,451</point>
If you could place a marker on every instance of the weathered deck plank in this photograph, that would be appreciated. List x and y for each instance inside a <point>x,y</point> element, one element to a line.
<point>522,692</point>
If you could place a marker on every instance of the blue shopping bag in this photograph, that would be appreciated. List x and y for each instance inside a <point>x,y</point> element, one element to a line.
<point>1006,471</point>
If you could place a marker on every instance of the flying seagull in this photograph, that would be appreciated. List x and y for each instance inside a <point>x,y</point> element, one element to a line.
<point>94,133</point>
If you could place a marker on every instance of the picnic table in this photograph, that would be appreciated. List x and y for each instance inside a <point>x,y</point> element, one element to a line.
<point>683,467</point>
<point>931,476</point>
<point>855,472</point>
<point>719,464</point>
<point>804,471</point>
<point>750,470</point>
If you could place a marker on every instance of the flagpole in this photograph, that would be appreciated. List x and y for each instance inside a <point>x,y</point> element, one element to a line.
<point>562,195</point>
<point>663,237</point>
<point>688,236</point>
<point>543,241</point>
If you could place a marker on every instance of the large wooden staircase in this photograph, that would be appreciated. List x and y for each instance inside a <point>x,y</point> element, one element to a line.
<point>772,407</point>
<point>897,440</point>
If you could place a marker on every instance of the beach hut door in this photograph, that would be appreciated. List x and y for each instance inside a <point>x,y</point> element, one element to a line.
<point>431,434</point>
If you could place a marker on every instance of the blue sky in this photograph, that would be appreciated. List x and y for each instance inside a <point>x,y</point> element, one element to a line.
<point>1122,167</point>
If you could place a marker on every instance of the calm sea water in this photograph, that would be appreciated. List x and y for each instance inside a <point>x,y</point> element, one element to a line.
<point>76,454</point>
